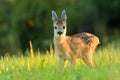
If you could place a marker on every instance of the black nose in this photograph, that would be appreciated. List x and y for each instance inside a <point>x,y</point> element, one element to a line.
<point>59,32</point>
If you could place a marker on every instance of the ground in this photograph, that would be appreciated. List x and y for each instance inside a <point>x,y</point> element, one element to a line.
<point>45,67</point>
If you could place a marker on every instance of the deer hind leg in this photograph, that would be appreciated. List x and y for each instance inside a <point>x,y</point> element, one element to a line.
<point>88,58</point>
<point>89,61</point>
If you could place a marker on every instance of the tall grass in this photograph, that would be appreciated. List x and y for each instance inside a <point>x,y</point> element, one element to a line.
<point>45,67</point>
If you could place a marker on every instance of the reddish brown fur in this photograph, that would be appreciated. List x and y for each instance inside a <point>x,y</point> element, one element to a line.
<point>70,48</point>
<point>77,46</point>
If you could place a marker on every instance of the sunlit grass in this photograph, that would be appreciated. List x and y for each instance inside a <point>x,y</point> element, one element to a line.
<point>45,67</point>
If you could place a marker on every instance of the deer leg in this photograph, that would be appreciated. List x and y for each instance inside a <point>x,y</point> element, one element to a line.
<point>88,59</point>
<point>73,61</point>
<point>62,64</point>
<point>91,58</point>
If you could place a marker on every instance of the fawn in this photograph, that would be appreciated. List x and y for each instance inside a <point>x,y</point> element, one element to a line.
<point>71,48</point>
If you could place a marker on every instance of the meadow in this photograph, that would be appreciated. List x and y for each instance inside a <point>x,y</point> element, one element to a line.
<point>45,67</point>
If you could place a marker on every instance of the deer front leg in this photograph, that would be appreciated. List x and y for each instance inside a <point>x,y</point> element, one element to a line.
<point>73,61</point>
<point>62,63</point>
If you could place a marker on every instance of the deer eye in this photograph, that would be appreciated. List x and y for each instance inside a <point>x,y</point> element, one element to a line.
<point>55,27</point>
<point>63,27</point>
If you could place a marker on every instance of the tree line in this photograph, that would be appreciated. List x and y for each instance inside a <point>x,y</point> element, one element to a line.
<point>22,21</point>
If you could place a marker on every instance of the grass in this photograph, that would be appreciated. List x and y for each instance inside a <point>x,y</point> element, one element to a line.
<point>39,67</point>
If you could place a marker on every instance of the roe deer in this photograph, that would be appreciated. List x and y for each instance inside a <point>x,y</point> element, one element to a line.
<point>70,48</point>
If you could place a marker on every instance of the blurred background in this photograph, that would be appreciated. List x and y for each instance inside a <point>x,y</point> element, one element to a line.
<point>22,21</point>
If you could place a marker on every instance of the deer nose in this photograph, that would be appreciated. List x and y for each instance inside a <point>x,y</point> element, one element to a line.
<point>59,32</point>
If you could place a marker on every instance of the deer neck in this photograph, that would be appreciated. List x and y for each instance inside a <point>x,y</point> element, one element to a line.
<point>60,39</point>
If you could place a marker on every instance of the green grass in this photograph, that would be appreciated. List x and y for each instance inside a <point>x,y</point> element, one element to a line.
<point>39,67</point>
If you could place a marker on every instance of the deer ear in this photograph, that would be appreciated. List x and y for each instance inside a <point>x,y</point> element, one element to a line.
<point>63,15</point>
<point>54,15</point>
